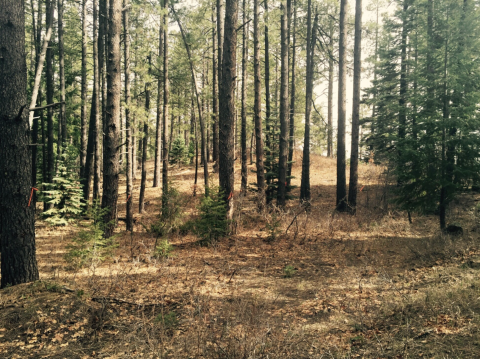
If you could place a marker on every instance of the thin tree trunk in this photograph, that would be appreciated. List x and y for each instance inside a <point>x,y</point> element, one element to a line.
<point>50,90</point>
<point>17,216</point>
<point>268,114</point>
<point>110,146</point>
<point>227,105</point>
<point>214,95</point>
<point>143,182</point>
<point>357,71</point>
<point>62,137</point>
<point>330,94</point>
<point>291,142</point>
<point>283,146</point>
<point>244,173</point>
<point>257,108</point>
<point>158,139</point>
<point>128,135</point>
<point>165,113</point>
<point>199,106</point>
<point>220,31</point>
<point>83,95</point>
<point>311,36</point>
<point>341,202</point>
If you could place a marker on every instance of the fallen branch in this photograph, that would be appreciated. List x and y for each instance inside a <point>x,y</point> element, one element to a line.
<point>46,106</point>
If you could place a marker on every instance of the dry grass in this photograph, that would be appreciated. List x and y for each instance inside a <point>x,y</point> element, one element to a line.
<point>370,285</point>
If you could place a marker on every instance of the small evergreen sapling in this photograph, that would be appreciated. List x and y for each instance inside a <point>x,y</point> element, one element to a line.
<point>65,193</point>
<point>213,223</point>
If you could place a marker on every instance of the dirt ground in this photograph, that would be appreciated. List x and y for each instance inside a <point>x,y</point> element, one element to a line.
<point>285,284</point>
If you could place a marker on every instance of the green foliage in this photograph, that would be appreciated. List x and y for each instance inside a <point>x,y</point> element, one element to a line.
<point>89,247</point>
<point>65,193</point>
<point>171,217</point>
<point>168,320</point>
<point>212,223</point>
<point>191,151</point>
<point>289,271</point>
<point>273,227</point>
<point>164,249</point>
<point>178,154</point>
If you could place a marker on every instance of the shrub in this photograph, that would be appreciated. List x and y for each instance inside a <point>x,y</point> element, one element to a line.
<point>212,223</point>
<point>65,193</point>
<point>164,249</point>
<point>89,247</point>
<point>178,153</point>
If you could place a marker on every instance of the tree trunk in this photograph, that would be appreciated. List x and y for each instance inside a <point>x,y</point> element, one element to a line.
<point>311,37</point>
<point>61,59</point>
<point>342,82</point>
<point>291,140</point>
<point>199,106</point>
<point>92,128</point>
<point>17,218</point>
<point>357,71</point>
<point>330,93</point>
<point>257,109</point>
<point>283,146</point>
<point>268,114</point>
<point>165,112</point>
<point>143,182</point>
<point>50,89</point>
<point>214,96</point>
<point>128,134</point>
<point>219,81</point>
<point>110,146</point>
<point>227,105</point>
<point>83,96</point>
<point>244,173</point>
<point>158,139</point>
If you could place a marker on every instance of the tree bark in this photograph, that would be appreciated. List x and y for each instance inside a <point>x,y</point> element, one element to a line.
<point>283,146</point>
<point>214,95</point>
<point>50,89</point>
<point>341,202</point>
<point>330,93</point>
<point>244,173</point>
<point>220,31</point>
<point>158,132</point>
<point>268,114</point>
<point>257,107</point>
<point>83,95</point>
<point>143,182</point>
<point>128,135</point>
<point>227,105</point>
<point>357,72</point>
<point>165,112</point>
<point>62,137</point>
<point>17,218</point>
<point>112,117</point>
<point>311,33</point>
<point>291,140</point>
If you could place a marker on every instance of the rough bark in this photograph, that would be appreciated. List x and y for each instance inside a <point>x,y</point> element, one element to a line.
<point>357,71</point>
<point>17,219</point>
<point>268,113</point>
<point>214,95</point>
<point>112,118</point>
<point>341,202</point>
<point>311,33</point>
<point>227,105</point>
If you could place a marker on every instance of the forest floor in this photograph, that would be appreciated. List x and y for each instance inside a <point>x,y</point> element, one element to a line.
<point>332,286</point>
